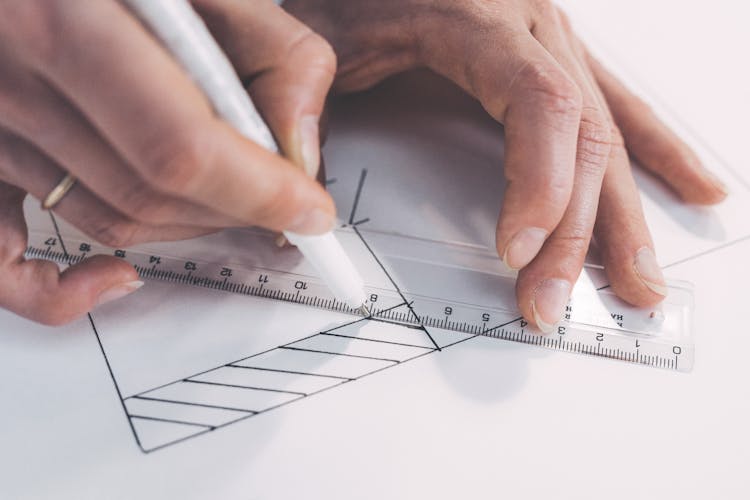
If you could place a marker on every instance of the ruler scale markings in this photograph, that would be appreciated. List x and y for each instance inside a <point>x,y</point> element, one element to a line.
<point>465,318</point>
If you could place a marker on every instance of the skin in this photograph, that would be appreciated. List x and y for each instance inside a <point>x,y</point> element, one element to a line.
<point>570,128</point>
<point>152,160</point>
<point>154,163</point>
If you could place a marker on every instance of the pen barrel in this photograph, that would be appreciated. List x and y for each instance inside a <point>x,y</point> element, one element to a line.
<point>328,258</point>
<point>184,33</point>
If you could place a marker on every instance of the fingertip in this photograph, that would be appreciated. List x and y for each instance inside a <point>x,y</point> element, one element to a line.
<point>709,191</point>
<point>118,291</point>
<point>635,292</point>
<point>45,295</point>
<point>315,221</point>
<point>104,270</point>
<point>308,209</point>
<point>637,279</point>
<point>99,279</point>
<point>543,292</point>
<point>549,301</point>
<point>523,247</point>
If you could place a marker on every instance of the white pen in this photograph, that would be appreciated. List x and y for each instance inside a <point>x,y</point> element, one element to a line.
<point>185,35</point>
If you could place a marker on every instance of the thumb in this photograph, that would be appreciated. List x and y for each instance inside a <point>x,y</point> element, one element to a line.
<point>288,69</point>
<point>36,289</point>
<point>292,97</point>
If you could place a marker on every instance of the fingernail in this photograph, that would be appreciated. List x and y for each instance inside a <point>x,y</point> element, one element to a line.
<point>649,272</point>
<point>549,303</point>
<point>281,241</point>
<point>524,246</point>
<point>718,183</point>
<point>310,144</point>
<point>118,291</point>
<point>316,221</point>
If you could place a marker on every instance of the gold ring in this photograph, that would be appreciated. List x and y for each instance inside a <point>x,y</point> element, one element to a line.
<point>59,192</point>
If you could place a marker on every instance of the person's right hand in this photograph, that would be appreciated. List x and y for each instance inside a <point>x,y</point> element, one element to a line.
<point>570,127</point>
<point>86,90</point>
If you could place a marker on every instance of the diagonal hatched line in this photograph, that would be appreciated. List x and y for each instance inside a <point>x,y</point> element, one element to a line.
<point>172,421</point>
<point>237,386</point>
<point>190,403</point>
<point>99,340</point>
<point>339,354</point>
<point>365,339</point>
<point>292,372</point>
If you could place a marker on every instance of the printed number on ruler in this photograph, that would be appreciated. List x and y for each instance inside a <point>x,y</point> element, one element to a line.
<point>618,331</point>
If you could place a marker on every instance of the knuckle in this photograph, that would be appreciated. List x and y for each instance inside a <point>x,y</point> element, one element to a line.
<point>549,87</point>
<point>178,162</point>
<point>315,51</point>
<point>574,244</point>
<point>595,139</point>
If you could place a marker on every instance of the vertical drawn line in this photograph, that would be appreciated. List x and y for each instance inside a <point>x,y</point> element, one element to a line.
<point>99,341</point>
<point>66,255</point>
<point>114,382</point>
<point>360,185</point>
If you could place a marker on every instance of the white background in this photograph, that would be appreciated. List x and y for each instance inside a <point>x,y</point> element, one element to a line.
<point>485,420</point>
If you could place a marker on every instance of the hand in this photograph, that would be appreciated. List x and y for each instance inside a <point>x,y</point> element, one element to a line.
<point>86,90</point>
<point>569,126</point>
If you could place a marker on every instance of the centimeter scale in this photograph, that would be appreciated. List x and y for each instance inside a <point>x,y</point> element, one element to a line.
<point>413,282</point>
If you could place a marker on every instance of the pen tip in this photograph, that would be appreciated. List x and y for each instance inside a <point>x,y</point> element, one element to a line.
<point>364,310</point>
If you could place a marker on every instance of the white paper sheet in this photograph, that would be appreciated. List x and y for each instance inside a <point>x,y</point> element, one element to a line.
<point>474,420</point>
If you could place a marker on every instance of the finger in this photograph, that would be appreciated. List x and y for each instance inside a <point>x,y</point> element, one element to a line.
<point>22,165</point>
<point>623,237</point>
<point>541,110</point>
<point>33,110</point>
<point>289,68</point>
<point>543,287</point>
<point>521,85</point>
<point>656,147</point>
<point>625,243</point>
<point>36,289</point>
<point>161,124</point>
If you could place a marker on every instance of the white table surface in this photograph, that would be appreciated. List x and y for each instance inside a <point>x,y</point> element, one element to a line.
<point>551,425</point>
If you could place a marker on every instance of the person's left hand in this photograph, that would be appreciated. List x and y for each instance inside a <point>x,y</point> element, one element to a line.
<point>569,126</point>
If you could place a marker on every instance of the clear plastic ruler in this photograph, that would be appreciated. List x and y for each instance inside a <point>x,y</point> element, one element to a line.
<point>417,282</point>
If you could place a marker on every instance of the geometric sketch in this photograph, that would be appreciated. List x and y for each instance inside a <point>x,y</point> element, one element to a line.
<point>239,389</point>
<point>234,391</point>
<point>259,383</point>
